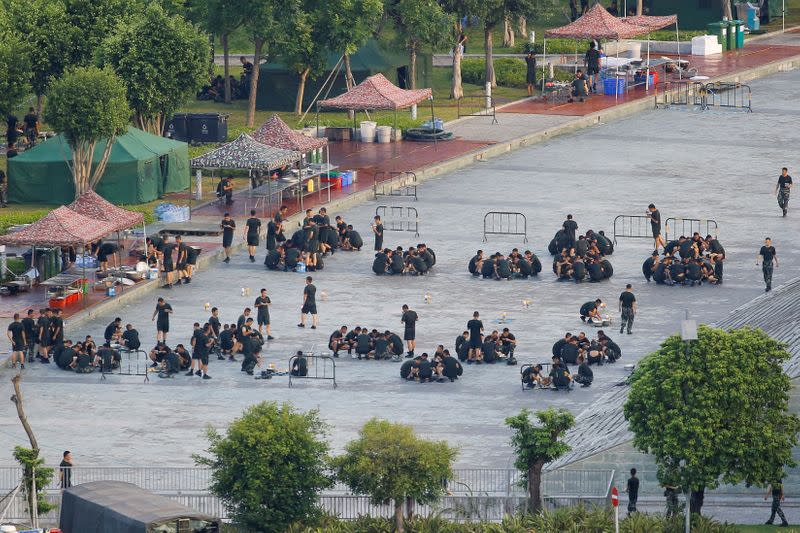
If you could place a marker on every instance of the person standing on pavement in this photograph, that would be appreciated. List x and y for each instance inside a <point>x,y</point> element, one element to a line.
<point>776,491</point>
<point>530,72</point>
<point>228,225</point>
<point>782,189</point>
<point>570,227</point>
<point>252,234</point>
<point>768,258</point>
<point>65,471</point>
<point>632,488</point>
<point>262,313</point>
<point>409,320</point>
<point>655,224</point>
<point>162,311</point>
<point>627,308</point>
<point>309,304</point>
<point>377,229</point>
<point>19,342</point>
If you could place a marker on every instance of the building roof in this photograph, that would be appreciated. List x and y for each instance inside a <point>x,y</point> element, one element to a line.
<point>245,153</point>
<point>603,426</point>
<point>94,206</point>
<point>275,132</point>
<point>60,227</point>
<point>377,92</point>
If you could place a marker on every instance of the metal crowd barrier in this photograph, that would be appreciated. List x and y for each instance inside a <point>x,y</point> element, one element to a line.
<point>703,96</point>
<point>325,371</point>
<point>399,218</point>
<point>730,95</point>
<point>132,363</point>
<point>477,105</point>
<point>505,223</point>
<point>390,185</point>
<point>632,227</point>
<point>674,227</point>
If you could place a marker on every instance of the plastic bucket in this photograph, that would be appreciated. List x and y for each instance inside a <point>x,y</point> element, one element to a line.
<point>367,133</point>
<point>384,134</point>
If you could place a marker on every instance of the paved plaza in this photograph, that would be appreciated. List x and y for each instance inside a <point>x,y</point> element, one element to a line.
<point>701,165</point>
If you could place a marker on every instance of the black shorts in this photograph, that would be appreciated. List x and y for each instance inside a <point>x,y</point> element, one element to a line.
<point>592,71</point>
<point>202,357</point>
<point>263,320</point>
<point>162,326</point>
<point>227,241</point>
<point>409,335</point>
<point>656,231</point>
<point>252,239</point>
<point>182,265</point>
<point>475,343</point>
<point>102,258</point>
<point>169,267</point>
<point>18,346</point>
<point>309,309</point>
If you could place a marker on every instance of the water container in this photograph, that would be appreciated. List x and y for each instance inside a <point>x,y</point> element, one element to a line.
<point>301,267</point>
<point>384,134</point>
<point>111,291</point>
<point>153,273</point>
<point>368,131</point>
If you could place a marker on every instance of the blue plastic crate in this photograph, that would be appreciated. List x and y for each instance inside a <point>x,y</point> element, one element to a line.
<point>614,86</point>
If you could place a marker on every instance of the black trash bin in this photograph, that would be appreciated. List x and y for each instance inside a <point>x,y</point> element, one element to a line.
<point>177,127</point>
<point>207,127</point>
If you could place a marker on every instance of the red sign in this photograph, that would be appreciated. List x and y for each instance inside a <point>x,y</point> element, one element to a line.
<point>614,497</point>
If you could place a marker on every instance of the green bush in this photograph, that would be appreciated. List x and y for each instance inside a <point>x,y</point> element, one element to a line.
<point>509,71</point>
<point>13,218</point>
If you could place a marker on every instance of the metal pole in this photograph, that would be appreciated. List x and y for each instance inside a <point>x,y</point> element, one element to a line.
<point>687,527</point>
<point>616,519</point>
<point>647,70</point>
<point>677,42</point>
<point>544,61</point>
<point>783,16</point>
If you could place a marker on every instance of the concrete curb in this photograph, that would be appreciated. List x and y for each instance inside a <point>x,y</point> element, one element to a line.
<point>478,155</point>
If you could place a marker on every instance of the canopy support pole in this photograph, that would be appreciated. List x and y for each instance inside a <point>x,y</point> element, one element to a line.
<point>678,44</point>
<point>616,76</point>
<point>544,62</point>
<point>433,122</point>
<point>647,70</point>
<point>576,57</point>
<point>328,168</point>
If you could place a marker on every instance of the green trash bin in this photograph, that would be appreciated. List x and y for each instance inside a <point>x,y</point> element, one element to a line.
<point>739,27</point>
<point>731,36</point>
<point>720,30</point>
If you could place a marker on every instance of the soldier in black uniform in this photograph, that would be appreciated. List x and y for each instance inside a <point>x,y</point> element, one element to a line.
<point>782,189</point>
<point>409,320</point>
<point>776,491</point>
<point>768,258</point>
<point>228,225</point>
<point>627,308</point>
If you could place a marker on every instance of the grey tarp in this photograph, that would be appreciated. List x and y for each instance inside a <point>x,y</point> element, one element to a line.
<point>106,506</point>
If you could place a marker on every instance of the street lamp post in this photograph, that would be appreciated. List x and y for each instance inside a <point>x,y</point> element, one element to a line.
<point>688,334</point>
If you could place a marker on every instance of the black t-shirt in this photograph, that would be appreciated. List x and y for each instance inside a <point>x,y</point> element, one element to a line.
<point>227,226</point>
<point>593,58</point>
<point>336,335</point>
<point>475,326</point>
<point>507,338</point>
<point>633,488</point>
<point>110,330</point>
<point>214,323</point>
<point>768,253</point>
<point>167,251</point>
<point>362,343</point>
<point>201,344</point>
<point>587,308</point>
<point>29,324</point>
<point>163,315</point>
<point>253,225</point>
<point>263,309</point>
<point>30,120</point>
<point>131,337</point>
<point>405,368</point>
<point>16,329</point>
<point>655,219</point>
<point>226,338</point>
<point>530,63</point>
<point>570,226</point>
<point>783,181</point>
<point>627,299</point>
<point>310,291</point>
<point>409,319</point>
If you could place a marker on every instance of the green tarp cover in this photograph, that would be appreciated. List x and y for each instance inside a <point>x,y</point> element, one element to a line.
<point>141,168</point>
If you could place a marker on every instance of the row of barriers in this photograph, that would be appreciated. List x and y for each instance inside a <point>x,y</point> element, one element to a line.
<point>704,96</point>
<point>639,227</point>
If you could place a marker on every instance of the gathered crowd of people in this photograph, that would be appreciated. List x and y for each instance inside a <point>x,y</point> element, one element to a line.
<point>577,258</point>
<point>572,350</point>
<point>417,261</point>
<point>687,261</point>
<point>514,266</point>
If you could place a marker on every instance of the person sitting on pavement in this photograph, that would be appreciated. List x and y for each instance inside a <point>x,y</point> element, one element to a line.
<point>299,365</point>
<point>590,311</point>
<point>585,376</point>
<point>560,377</point>
<point>130,338</point>
<point>532,376</point>
<point>580,89</point>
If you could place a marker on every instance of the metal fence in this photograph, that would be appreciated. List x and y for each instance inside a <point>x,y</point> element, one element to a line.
<point>674,227</point>
<point>632,227</point>
<point>400,183</point>
<point>473,494</point>
<point>505,223</point>
<point>399,218</point>
<point>477,105</point>
<point>704,96</point>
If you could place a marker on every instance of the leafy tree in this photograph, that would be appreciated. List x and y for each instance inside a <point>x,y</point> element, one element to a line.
<point>307,55</point>
<point>15,68</point>
<point>721,406</point>
<point>459,9</point>
<point>421,25</point>
<point>389,462</point>
<point>33,467</point>
<point>538,444</point>
<point>222,18</point>
<point>269,466</point>
<point>48,37</point>
<point>162,59</point>
<point>266,21</point>
<point>88,106</point>
<point>94,19</point>
<point>349,24</point>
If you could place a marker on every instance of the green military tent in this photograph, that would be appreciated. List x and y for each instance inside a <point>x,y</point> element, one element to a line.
<point>277,83</point>
<point>141,168</point>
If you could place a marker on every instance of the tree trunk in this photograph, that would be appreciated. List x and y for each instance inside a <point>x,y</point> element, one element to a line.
<point>456,89</point>
<point>487,35</point>
<point>101,165</point>
<point>413,65</point>
<point>212,63</point>
<point>301,89</point>
<point>535,486</point>
<point>639,7</point>
<point>32,496</point>
<point>523,27</point>
<point>398,515</point>
<point>726,9</point>
<point>226,69</point>
<point>409,508</point>
<point>39,103</point>
<point>251,100</point>
<point>508,33</point>
<point>696,500</point>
